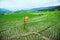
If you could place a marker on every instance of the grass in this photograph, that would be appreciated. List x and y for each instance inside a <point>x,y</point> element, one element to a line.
<point>12,24</point>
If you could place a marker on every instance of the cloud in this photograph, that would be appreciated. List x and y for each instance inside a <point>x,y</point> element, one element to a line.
<point>24,4</point>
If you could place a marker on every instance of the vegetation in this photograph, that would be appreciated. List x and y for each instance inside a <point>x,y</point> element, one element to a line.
<point>46,23</point>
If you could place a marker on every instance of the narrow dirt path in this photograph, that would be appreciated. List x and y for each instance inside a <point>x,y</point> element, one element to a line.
<point>27,34</point>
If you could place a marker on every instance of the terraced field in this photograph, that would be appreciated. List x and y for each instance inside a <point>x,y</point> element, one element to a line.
<point>47,24</point>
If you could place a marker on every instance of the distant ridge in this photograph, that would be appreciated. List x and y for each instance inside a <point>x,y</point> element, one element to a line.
<point>50,8</point>
<point>2,11</point>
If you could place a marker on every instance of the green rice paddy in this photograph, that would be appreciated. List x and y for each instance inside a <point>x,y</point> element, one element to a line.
<point>45,23</point>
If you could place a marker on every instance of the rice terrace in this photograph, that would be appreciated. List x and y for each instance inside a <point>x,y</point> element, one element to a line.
<point>30,20</point>
<point>44,23</point>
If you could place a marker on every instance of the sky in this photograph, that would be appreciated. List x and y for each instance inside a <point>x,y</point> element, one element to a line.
<point>27,4</point>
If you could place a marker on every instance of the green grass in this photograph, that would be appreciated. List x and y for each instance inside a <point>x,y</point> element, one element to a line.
<point>47,23</point>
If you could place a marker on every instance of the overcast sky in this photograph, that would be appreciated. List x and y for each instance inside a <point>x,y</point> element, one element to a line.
<point>27,4</point>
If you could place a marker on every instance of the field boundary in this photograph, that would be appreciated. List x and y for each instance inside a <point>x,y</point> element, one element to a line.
<point>27,34</point>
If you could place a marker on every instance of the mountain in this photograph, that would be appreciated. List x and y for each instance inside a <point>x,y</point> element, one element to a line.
<point>49,8</point>
<point>3,11</point>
